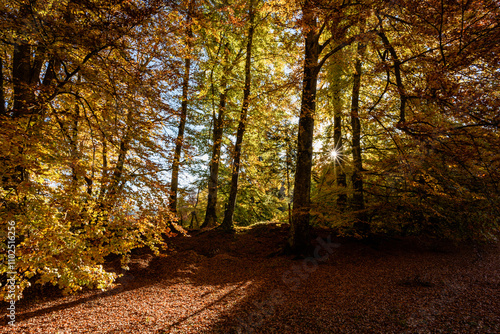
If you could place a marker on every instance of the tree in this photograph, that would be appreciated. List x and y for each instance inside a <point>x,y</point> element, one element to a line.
<point>227,223</point>
<point>183,114</point>
<point>80,131</point>
<point>218,129</point>
<point>94,101</point>
<point>357,179</point>
<point>299,238</point>
<point>436,130</point>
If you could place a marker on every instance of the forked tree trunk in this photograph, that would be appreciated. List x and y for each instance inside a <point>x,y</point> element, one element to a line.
<point>227,223</point>
<point>299,240</point>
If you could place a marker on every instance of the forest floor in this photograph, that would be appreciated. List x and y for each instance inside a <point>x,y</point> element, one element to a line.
<point>217,283</point>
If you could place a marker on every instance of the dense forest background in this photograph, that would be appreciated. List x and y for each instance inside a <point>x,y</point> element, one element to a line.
<point>123,120</point>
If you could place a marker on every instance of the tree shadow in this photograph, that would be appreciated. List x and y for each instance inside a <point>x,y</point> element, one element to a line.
<point>122,286</point>
<point>214,269</point>
<point>247,293</point>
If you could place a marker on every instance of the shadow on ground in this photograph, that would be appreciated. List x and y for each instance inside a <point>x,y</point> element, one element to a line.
<point>221,283</point>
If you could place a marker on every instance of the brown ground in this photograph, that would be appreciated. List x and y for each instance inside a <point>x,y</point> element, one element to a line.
<point>215,283</point>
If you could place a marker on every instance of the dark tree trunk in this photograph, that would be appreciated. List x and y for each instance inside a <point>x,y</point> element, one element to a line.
<point>104,178</point>
<point>300,235</point>
<point>338,145</point>
<point>21,79</point>
<point>23,98</point>
<point>74,149</point>
<point>180,139</point>
<point>211,212</point>
<point>116,179</point>
<point>288,171</point>
<point>183,117</point>
<point>299,241</point>
<point>357,178</point>
<point>399,81</point>
<point>227,223</point>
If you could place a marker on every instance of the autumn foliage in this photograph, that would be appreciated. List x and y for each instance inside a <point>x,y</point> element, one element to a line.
<point>80,140</point>
<point>120,118</point>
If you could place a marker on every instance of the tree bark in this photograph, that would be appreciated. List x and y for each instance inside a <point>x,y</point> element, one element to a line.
<point>227,223</point>
<point>183,117</point>
<point>300,234</point>
<point>357,178</point>
<point>211,212</point>
<point>338,146</point>
<point>399,81</point>
<point>117,181</point>
<point>21,80</point>
<point>194,216</point>
<point>180,139</point>
<point>299,240</point>
<point>23,98</point>
<point>74,149</point>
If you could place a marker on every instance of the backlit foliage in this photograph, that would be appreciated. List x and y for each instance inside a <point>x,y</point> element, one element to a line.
<point>89,108</point>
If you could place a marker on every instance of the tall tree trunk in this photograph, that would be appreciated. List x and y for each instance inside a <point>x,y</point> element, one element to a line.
<point>21,79</point>
<point>399,80</point>
<point>357,178</point>
<point>183,117</point>
<point>299,236</point>
<point>211,212</point>
<point>338,146</point>
<point>227,223</point>
<point>288,167</point>
<point>116,179</point>
<point>21,106</point>
<point>299,240</point>
<point>105,171</point>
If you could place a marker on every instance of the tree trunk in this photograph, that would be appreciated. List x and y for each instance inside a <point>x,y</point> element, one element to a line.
<point>338,145</point>
<point>21,80</point>
<point>227,223</point>
<point>23,97</point>
<point>357,178</point>
<point>116,179</point>
<point>211,212</point>
<point>399,80</point>
<point>183,117</point>
<point>299,237</point>
<point>288,163</point>
<point>194,216</point>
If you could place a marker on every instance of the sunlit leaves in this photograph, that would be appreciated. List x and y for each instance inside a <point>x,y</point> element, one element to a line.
<point>83,165</point>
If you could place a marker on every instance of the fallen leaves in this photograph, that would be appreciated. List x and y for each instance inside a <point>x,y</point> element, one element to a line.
<point>395,289</point>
